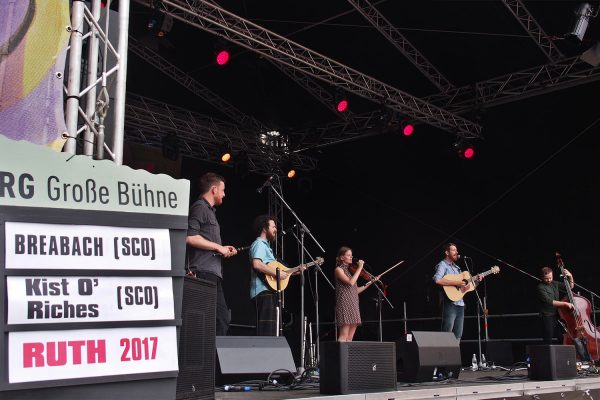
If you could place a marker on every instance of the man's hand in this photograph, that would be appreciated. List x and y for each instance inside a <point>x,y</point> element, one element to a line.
<point>479,277</point>
<point>283,274</point>
<point>461,284</point>
<point>568,305</point>
<point>227,251</point>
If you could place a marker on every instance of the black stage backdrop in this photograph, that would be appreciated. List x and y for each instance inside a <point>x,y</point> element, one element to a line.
<point>532,189</point>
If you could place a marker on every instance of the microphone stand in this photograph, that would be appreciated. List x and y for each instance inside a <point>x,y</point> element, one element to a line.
<point>480,307</point>
<point>317,319</point>
<point>380,295</point>
<point>303,229</point>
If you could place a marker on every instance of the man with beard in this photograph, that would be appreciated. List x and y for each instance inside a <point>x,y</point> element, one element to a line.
<point>261,255</point>
<point>204,240</point>
<point>453,313</point>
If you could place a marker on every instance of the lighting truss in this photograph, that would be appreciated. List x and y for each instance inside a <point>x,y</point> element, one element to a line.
<point>210,17</point>
<point>149,121</point>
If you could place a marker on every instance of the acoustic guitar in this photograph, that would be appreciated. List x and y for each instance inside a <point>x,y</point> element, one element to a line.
<point>455,293</point>
<point>271,281</point>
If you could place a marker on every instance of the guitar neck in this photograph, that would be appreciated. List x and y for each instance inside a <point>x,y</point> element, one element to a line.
<point>486,273</point>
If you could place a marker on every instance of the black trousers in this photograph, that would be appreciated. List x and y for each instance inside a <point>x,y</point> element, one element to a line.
<point>550,329</point>
<point>222,310</point>
<point>266,315</point>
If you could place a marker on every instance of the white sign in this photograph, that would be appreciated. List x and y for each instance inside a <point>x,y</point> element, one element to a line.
<point>53,299</point>
<point>56,246</point>
<point>52,355</point>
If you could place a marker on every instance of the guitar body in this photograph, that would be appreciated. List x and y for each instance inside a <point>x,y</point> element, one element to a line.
<point>271,281</point>
<point>452,292</point>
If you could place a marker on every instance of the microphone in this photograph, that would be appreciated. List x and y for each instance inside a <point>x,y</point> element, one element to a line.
<point>287,230</point>
<point>265,184</point>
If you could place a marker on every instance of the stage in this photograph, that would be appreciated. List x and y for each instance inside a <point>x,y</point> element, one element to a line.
<point>472,385</point>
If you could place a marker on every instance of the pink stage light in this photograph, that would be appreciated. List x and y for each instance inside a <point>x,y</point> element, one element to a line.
<point>223,57</point>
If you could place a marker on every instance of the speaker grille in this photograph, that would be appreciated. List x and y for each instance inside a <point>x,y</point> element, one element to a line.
<point>196,378</point>
<point>373,367</point>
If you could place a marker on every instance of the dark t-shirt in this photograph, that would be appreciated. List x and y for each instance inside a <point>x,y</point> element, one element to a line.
<point>546,293</point>
<point>203,221</point>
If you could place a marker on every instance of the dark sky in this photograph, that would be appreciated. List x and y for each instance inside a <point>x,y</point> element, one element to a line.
<point>532,188</point>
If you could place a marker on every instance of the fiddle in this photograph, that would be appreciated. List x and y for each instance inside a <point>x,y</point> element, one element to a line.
<point>363,273</point>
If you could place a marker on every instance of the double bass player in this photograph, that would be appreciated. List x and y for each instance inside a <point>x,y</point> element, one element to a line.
<point>549,294</point>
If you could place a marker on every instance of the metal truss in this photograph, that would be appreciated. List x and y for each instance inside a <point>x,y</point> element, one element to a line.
<point>518,85</point>
<point>493,92</point>
<point>85,27</point>
<point>188,82</point>
<point>544,42</point>
<point>149,121</point>
<point>398,40</point>
<point>314,88</point>
<point>209,17</point>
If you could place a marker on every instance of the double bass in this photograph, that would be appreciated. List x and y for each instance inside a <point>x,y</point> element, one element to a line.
<point>581,331</point>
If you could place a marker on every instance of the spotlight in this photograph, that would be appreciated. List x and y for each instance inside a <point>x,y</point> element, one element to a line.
<point>342,105</point>
<point>465,149</point>
<point>408,129</point>
<point>225,153</point>
<point>222,57</point>
<point>289,170</point>
<point>341,101</point>
<point>583,13</point>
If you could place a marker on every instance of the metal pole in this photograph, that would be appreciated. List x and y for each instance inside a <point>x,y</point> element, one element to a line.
<point>302,317</point>
<point>405,320</point>
<point>74,79</point>
<point>92,64</point>
<point>317,317</point>
<point>119,133</point>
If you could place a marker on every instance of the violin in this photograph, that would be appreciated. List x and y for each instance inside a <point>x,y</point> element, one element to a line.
<point>363,273</point>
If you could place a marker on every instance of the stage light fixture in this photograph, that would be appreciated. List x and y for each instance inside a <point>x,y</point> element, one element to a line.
<point>288,169</point>
<point>222,57</point>
<point>342,105</point>
<point>408,129</point>
<point>583,13</point>
<point>465,149</point>
<point>225,153</point>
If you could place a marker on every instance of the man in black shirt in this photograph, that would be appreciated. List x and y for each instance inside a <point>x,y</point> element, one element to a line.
<point>548,294</point>
<point>204,240</point>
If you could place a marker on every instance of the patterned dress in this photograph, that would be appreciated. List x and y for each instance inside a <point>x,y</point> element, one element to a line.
<point>347,311</point>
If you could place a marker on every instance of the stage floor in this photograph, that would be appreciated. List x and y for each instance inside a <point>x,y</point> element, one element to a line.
<point>472,385</point>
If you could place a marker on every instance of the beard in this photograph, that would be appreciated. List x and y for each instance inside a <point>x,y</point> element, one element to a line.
<point>271,237</point>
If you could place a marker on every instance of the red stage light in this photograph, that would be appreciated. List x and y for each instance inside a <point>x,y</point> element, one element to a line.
<point>342,105</point>
<point>408,129</point>
<point>469,152</point>
<point>223,57</point>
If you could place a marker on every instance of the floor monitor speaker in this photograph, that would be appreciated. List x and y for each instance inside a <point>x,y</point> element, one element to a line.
<point>357,367</point>
<point>422,355</point>
<point>551,362</point>
<point>242,358</point>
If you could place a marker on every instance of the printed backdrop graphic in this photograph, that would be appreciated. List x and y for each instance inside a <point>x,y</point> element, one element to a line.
<point>33,42</point>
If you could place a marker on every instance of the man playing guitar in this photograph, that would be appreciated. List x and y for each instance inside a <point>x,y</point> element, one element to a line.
<point>261,255</point>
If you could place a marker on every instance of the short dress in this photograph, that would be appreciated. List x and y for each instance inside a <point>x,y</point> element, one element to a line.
<point>347,311</point>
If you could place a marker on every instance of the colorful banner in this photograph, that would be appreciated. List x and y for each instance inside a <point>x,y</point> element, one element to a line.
<point>33,42</point>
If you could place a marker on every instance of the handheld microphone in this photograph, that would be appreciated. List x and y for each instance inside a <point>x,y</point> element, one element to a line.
<point>265,184</point>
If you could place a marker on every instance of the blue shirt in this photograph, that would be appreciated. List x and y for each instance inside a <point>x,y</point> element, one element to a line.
<point>444,268</point>
<point>260,249</point>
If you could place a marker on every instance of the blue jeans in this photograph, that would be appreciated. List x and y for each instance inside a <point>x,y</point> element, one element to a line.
<point>452,318</point>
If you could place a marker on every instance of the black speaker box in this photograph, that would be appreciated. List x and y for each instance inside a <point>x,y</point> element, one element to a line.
<point>551,362</point>
<point>421,355</point>
<point>357,367</point>
<point>196,379</point>
<point>243,358</point>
